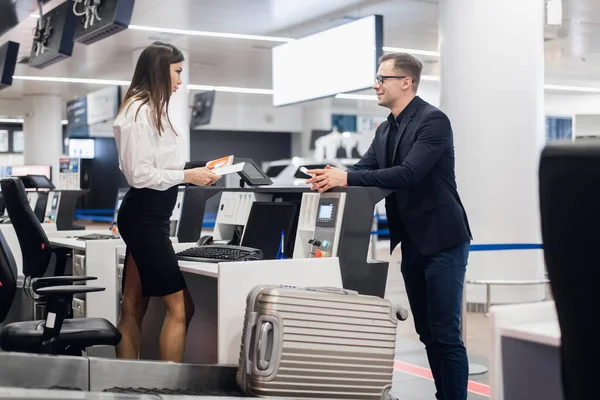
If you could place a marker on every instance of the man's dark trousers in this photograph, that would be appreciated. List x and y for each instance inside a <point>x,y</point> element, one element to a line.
<point>434,285</point>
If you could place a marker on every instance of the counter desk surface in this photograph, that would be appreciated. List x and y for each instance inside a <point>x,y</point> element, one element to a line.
<point>546,332</point>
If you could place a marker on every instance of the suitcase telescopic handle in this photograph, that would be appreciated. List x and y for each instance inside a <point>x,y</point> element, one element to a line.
<point>335,290</point>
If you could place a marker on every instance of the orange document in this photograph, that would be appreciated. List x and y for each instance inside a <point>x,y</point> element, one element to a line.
<point>220,162</point>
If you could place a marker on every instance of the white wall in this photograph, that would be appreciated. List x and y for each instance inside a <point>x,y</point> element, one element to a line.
<point>586,125</point>
<point>255,118</point>
<point>568,104</point>
<point>12,107</point>
<point>12,159</point>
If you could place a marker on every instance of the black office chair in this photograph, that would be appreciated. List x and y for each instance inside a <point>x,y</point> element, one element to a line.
<point>569,179</point>
<point>38,258</point>
<point>36,251</point>
<point>55,334</point>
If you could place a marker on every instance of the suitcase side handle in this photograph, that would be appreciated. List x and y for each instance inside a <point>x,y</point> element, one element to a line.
<point>334,290</point>
<point>263,345</point>
<point>267,347</point>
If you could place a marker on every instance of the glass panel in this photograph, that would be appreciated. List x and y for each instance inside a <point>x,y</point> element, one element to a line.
<point>18,142</point>
<point>3,140</point>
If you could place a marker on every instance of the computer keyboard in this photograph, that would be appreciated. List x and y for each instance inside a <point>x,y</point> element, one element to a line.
<point>218,253</point>
<point>96,236</point>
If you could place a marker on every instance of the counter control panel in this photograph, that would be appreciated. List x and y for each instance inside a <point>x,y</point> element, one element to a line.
<point>52,207</point>
<point>319,225</point>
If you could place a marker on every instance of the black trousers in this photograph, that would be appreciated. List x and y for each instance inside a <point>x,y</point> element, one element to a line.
<point>434,285</point>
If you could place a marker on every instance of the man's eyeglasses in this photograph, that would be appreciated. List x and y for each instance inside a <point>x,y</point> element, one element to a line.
<point>381,78</point>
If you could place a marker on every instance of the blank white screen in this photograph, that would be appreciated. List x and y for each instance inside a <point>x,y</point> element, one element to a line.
<point>338,60</point>
<point>326,211</point>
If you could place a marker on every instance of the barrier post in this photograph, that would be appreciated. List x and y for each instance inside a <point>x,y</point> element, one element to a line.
<point>474,369</point>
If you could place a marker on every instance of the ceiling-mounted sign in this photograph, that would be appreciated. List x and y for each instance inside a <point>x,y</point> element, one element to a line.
<point>102,129</point>
<point>96,108</point>
<point>77,113</point>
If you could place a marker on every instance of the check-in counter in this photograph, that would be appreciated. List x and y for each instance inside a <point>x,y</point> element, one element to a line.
<point>330,248</point>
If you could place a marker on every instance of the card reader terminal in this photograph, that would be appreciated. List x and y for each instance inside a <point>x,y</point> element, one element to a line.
<point>325,225</point>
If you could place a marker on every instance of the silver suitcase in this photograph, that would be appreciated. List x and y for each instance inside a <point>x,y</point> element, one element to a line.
<point>318,343</point>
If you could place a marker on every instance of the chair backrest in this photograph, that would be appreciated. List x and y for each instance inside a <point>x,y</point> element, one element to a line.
<point>569,179</point>
<point>35,247</point>
<point>8,278</point>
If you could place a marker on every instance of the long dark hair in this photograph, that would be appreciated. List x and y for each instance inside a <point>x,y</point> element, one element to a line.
<point>151,81</point>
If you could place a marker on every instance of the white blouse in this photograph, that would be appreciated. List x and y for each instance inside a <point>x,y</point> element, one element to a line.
<point>147,159</point>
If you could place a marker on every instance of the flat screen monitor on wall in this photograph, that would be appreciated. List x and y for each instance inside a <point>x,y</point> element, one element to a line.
<point>9,52</point>
<point>82,148</point>
<point>202,109</point>
<point>305,69</point>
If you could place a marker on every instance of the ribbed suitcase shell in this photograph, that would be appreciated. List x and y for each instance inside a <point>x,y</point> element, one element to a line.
<point>326,344</point>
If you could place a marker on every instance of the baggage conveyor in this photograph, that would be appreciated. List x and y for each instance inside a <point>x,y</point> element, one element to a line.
<point>91,377</point>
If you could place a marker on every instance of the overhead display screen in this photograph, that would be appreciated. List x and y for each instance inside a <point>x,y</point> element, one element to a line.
<point>339,60</point>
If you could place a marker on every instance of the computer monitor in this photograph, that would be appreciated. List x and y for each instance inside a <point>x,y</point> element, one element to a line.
<point>202,109</point>
<point>9,52</point>
<point>252,174</point>
<point>266,222</point>
<point>36,182</point>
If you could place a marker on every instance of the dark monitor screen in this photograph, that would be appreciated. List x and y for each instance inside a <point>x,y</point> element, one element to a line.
<point>252,174</point>
<point>266,222</point>
<point>41,182</point>
<point>9,52</point>
<point>36,182</point>
<point>202,109</point>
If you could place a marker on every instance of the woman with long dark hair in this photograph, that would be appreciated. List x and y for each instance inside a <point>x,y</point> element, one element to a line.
<point>151,158</point>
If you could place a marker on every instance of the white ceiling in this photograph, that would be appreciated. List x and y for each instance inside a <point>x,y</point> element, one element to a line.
<point>572,51</point>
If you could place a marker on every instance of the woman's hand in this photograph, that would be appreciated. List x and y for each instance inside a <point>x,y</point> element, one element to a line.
<point>200,176</point>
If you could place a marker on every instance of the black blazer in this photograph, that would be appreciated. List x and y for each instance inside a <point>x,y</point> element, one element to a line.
<point>425,206</point>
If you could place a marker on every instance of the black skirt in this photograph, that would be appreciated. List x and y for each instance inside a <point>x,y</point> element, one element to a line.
<point>144,225</point>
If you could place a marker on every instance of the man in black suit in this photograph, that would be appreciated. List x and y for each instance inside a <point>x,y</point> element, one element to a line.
<point>413,154</point>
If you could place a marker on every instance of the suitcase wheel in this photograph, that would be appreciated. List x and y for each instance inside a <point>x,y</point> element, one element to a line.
<point>401,313</point>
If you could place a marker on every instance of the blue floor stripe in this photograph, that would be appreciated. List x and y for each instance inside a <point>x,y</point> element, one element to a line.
<point>505,246</point>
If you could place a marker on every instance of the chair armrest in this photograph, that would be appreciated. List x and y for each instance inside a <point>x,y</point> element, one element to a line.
<point>67,290</point>
<point>58,300</point>
<point>51,281</point>
<point>59,280</point>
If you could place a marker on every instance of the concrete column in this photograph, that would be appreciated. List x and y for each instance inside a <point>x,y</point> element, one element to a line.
<point>492,77</point>
<point>42,131</point>
<point>179,110</point>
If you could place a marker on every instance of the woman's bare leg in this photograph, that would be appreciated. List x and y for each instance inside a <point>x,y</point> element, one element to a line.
<point>133,309</point>
<point>180,310</point>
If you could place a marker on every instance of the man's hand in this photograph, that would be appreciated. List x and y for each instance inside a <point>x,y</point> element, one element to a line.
<point>328,178</point>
